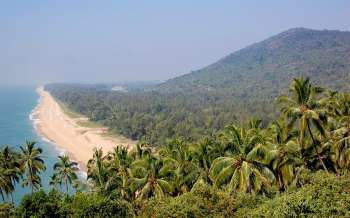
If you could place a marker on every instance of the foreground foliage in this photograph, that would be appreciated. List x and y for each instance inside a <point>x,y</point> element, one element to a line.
<point>296,166</point>
<point>323,195</point>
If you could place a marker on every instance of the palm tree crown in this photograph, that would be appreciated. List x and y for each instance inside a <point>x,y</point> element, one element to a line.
<point>65,171</point>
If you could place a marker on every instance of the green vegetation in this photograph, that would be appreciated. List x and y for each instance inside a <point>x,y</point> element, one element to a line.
<point>68,111</point>
<point>242,85</point>
<point>296,166</point>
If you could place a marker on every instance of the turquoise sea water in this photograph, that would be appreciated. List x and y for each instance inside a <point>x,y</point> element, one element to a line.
<point>16,126</point>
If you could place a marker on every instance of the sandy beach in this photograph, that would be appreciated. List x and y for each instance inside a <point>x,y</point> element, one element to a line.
<point>65,132</point>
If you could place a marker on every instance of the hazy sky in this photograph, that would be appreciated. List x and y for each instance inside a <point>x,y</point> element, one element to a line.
<point>104,41</point>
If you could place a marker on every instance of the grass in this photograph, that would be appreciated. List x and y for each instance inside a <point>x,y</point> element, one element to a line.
<point>86,123</point>
<point>89,124</point>
<point>70,113</point>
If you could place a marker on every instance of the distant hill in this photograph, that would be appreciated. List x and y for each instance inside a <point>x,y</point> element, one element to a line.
<point>266,68</point>
<point>240,86</point>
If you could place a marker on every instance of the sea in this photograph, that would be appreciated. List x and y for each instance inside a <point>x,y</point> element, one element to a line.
<point>17,124</point>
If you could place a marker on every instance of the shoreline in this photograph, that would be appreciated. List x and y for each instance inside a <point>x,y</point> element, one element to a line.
<point>53,125</point>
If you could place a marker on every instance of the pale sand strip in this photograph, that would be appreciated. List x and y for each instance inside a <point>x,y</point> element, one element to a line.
<point>64,131</point>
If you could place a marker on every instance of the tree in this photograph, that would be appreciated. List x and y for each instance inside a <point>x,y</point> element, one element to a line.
<point>244,168</point>
<point>148,178</point>
<point>33,163</point>
<point>10,171</point>
<point>285,153</point>
<point>303,106</point>
<point>6,185</point>
<point>97,172</point>
<point>65,171</point>
<point>178,160</point>
<point>203,156</point>
<point>338,106</point>
<point>118,164</point>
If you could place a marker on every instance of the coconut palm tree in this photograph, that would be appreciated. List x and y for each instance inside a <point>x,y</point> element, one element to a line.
<point>6,186</point>
<point>55,181</point>
<point>339,119</point>
<point>119,162</point>
<point>303,106</point>
<point>148,178</point>
<point>178,160</point>
<point>97,170</point>
<point>244,168</point>
<point>65,171</point>
<point>33,164</point>
<point>285,153</point>
<point>202,154</point>
<point>10,169</point>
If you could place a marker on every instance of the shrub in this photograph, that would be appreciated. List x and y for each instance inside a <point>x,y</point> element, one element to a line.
<point>202,201</point>
<point>40,204</point>
<point>91,205</point>
<point>6,210</point>
<point>323,195</point>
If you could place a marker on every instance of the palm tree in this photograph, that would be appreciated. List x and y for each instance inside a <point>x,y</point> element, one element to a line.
<point>202,154</point>
<point>244,168</point>
<point>178,160</point>
<point>6,186</point>
<point>339,110</point>
<point>31,159</point>
<point>10,169</point>
<point>285,153</point>
<point>118,164</point>
<point>65,171</point>
<point>304,106</point>
<point>97,172</point>
<point>148,178</point>
<point>55,181</point>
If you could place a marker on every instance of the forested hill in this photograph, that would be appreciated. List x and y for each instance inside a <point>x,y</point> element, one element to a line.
<point>265,68</point>
<point>240,86</point>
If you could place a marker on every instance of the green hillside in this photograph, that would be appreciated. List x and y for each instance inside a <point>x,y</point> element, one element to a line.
<point>265,68</point>
<point>232,90</point>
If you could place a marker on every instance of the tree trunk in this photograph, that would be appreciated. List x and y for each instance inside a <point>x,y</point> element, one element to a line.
<point>12,197</point>
<point>66,183</point>
<point>314,145</point>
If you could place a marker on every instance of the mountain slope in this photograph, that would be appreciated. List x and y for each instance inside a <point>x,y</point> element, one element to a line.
<point>240,86</point>
<point>266,68</point>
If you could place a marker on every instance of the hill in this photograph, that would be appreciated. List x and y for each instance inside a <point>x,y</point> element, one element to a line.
<point>266,68</point>
<point>242,85</point>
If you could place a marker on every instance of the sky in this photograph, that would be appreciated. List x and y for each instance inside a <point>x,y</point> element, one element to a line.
<point>136,40</point>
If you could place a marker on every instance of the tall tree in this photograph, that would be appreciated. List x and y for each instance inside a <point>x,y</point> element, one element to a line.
<point>202,153</point>
<point>10,170</point>
<point>304,106</point>
<point>338,105</point>
<point>119,162</point>
<point>178,160</point>
<point>285,153</point>
<point>148,178</point>
<point>244,167</point>
<point>97,170</point>
<point>65,171</point>
<point>33,163</point>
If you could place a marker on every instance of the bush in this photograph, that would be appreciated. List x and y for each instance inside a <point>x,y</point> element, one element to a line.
<point>323,195</point>
<point>6,210</point>
<point>40,204</point>
<point>202,201</point>
<point>91,205</point>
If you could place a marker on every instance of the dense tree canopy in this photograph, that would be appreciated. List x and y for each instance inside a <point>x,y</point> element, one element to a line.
<point>296,165</point>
